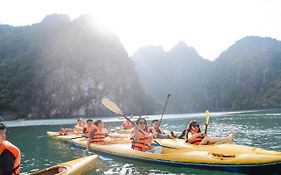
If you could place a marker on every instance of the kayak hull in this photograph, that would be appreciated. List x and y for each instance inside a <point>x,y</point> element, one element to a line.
<point>186,159</point>
<point>74,167</point>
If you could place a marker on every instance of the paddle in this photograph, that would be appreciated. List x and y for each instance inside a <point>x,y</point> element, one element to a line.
<point>168,96</point>
<point>110,105</point>
<point>207,113</point>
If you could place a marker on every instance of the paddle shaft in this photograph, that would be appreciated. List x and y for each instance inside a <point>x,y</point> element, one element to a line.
<point>207,121</point>
<point>206,128</point>
<point>110,105</point>
<point>134,124</point>
<point>164,109</point>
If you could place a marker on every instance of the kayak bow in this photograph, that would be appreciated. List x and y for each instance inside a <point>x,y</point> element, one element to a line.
<point>74,167</point>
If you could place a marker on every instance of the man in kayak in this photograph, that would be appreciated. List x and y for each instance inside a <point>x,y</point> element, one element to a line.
<point>87,128</point>
<point>9,155</point>
<point>141,139</point>
<point>97,134</point>
<point>127,124</point>
<point>194,135</point>
<point>156,131</point>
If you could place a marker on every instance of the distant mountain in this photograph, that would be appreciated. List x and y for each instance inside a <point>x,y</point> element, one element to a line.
<point>246,76</point>
<point>60,67</point>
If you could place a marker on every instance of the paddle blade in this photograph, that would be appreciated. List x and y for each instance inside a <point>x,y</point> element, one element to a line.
<point>207,113</point>
<point>110,105</point>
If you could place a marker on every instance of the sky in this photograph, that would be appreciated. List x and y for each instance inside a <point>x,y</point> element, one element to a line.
<point>210,26</point>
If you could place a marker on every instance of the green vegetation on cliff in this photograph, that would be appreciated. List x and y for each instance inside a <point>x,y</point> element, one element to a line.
<point>60,67</point>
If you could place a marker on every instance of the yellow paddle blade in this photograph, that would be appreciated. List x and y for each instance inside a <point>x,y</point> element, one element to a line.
<point>207,113</point>
<point>110,105</point>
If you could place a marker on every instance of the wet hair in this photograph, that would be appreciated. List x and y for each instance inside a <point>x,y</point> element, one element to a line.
<point>89,120</point>
<point>2,126</point>
<point>97,122</point>
<point>191,123</point>
<point>153,121</point>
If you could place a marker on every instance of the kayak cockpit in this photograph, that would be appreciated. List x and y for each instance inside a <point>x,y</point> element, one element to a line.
<point>52,171</point>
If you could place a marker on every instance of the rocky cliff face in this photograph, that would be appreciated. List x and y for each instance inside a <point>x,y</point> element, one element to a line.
<point>246,76</point>
<point>179,71</point>
<point>73,64</point>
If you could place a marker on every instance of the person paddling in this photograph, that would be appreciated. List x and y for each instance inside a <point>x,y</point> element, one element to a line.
<point>87,128</point>
<point>194,135</point>
<point>10,156</point>
<point>141,140</point>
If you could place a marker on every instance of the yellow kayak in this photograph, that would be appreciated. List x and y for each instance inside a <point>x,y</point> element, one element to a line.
<point>224,157</point>
<point>57,136</point>
<point>74,167</point>
<point>68,137</point>
<point>223,148</point>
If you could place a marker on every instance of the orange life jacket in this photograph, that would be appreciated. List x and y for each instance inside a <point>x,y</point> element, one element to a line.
<point>78,128</point>
<point>142,143</point>
<point>155,131</point>
<point>98,136</point>
<point>88,129</point>
<point>127,124</point>
<point>16,153</point>
<point>197,140</point>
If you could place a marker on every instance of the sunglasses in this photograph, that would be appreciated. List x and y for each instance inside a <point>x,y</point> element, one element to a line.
<point>141,123</point>
<point>195,126</point>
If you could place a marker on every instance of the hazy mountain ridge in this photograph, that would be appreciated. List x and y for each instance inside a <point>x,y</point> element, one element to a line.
<point>60,67</point>
<point>246,76</point>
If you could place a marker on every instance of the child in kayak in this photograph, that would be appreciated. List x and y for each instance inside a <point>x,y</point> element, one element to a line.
<point>141,139</point>
<point>194,135</point>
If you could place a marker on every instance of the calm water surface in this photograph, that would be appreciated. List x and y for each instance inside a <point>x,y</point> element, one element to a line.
<point>253,128</point>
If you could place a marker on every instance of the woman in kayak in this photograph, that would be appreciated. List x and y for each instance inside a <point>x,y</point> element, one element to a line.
<point>141,139</point>
<point>78,128</point>
<point>194,135</point>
